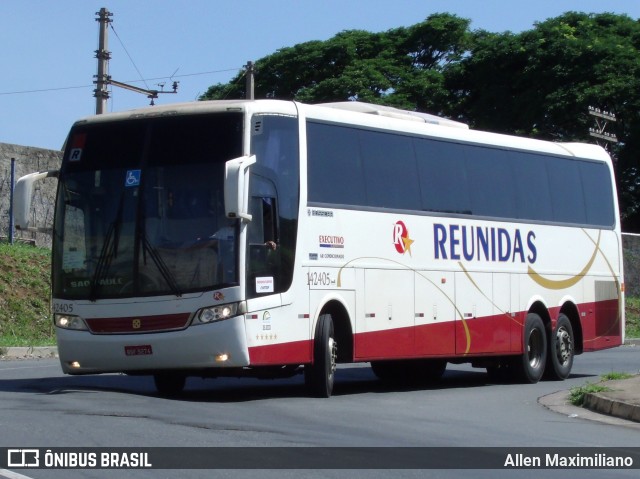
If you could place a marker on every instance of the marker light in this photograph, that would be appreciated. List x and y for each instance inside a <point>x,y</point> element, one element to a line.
<point>215,313</point>
<point>68,321</point>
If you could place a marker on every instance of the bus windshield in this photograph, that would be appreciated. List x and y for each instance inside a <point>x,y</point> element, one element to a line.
<point>140,208</point>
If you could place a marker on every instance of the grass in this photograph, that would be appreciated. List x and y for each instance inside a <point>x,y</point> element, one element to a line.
<point>577,394</point>
<point>25,304</point>
<point>25,309</point>
<point>612,376</point>
<point>632,308</point>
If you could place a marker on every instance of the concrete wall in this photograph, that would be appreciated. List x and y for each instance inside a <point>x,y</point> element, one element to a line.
<point>631,245</point>
<point>29,160</point>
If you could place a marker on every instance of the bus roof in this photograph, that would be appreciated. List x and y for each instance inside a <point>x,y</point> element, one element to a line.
<point>391,112</point>
<point>366,115</point>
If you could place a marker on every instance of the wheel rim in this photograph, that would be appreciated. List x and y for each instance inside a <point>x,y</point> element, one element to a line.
<point>534,348</point>
<point>333,356</point>
<point>564,346</point>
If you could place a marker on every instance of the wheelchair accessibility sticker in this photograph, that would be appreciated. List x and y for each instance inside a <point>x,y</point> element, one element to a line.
<point>133,178</point>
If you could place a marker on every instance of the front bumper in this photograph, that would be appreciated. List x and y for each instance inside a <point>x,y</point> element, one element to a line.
<point>196,347</point>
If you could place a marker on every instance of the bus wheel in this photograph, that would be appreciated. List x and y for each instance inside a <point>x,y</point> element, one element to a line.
<point>169,385</point>
<point>560,355</point>
<point>531,364</point>
<point>319,376</point>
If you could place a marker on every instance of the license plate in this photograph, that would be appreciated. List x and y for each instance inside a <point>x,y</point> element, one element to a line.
<point>141,350</point>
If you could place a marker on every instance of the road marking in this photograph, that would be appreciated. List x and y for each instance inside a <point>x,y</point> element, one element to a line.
<point>12,475</point>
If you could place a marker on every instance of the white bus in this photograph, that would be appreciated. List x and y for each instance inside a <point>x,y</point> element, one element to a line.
<point>269,238</point>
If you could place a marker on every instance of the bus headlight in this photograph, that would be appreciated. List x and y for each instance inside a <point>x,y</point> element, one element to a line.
<point>68,321</point>
<point>215,313</point>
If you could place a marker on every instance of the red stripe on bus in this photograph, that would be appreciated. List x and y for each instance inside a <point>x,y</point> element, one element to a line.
<point>296,352</point>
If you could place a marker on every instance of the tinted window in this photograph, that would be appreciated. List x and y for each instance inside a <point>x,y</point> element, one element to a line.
<point>334,167</point>
<point>350,166</point>
<point>533,198</point>
<point>596,185</point>
<point>391,178</point>
<point>443,176</point>
<point>492,188</point>
<point>566,191</point>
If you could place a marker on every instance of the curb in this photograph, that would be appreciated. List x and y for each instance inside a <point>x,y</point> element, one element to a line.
<point>28,352</point>
<point>621,399</point>
<point>596,402</point>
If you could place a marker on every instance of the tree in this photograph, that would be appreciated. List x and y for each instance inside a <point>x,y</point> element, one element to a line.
<point>537,83</point>
<point>402,67</point>
<point>540,83</point>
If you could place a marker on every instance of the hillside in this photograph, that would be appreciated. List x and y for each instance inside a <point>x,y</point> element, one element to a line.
<point>25,316</point>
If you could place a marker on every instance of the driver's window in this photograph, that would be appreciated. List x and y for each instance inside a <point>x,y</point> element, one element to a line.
<point>263,260</point>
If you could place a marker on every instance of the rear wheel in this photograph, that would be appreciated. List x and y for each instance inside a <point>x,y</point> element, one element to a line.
<point>169,384</point>
<point>530,366</point>
<point>319,376</point>
<point>561,350</point>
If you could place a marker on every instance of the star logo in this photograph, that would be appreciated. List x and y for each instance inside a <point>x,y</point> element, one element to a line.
<point>401,239</point>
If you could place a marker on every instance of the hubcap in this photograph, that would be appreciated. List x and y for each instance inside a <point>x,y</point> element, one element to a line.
<point>333,348</point>
<point>534,348</point>
<point>564,346</point>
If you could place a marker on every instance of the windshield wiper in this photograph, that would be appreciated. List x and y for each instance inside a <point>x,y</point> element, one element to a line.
<point>108,252</point>
<point>147,247</point>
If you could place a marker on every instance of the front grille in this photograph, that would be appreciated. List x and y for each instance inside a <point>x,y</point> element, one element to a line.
<point>139,324</point>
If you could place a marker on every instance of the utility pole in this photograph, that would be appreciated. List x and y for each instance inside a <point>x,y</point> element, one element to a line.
<point>250,88</point>
<point>103,55</point>
<point>602,118</point>
<point>103,79</point>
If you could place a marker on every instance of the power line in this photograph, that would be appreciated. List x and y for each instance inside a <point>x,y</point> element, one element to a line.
<point>130,58</point>
<point>43,90</point>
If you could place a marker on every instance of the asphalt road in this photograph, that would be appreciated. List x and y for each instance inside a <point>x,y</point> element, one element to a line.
<point>40,407</point>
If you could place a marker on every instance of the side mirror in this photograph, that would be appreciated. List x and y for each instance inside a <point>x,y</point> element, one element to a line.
<point>236,187</point>
<point>22,196</point>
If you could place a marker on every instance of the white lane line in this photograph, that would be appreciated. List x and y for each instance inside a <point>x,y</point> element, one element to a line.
<point>12,475</point>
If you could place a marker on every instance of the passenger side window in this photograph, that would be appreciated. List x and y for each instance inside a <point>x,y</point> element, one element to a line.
<point>334,165</point>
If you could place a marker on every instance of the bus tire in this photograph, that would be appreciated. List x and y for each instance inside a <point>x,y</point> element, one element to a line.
<point>561,350</point>
<point>319,376</point>
<point>169,384</point>
<point>531,364</point>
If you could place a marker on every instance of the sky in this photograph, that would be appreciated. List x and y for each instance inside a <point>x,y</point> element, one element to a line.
<point>47,47</point>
